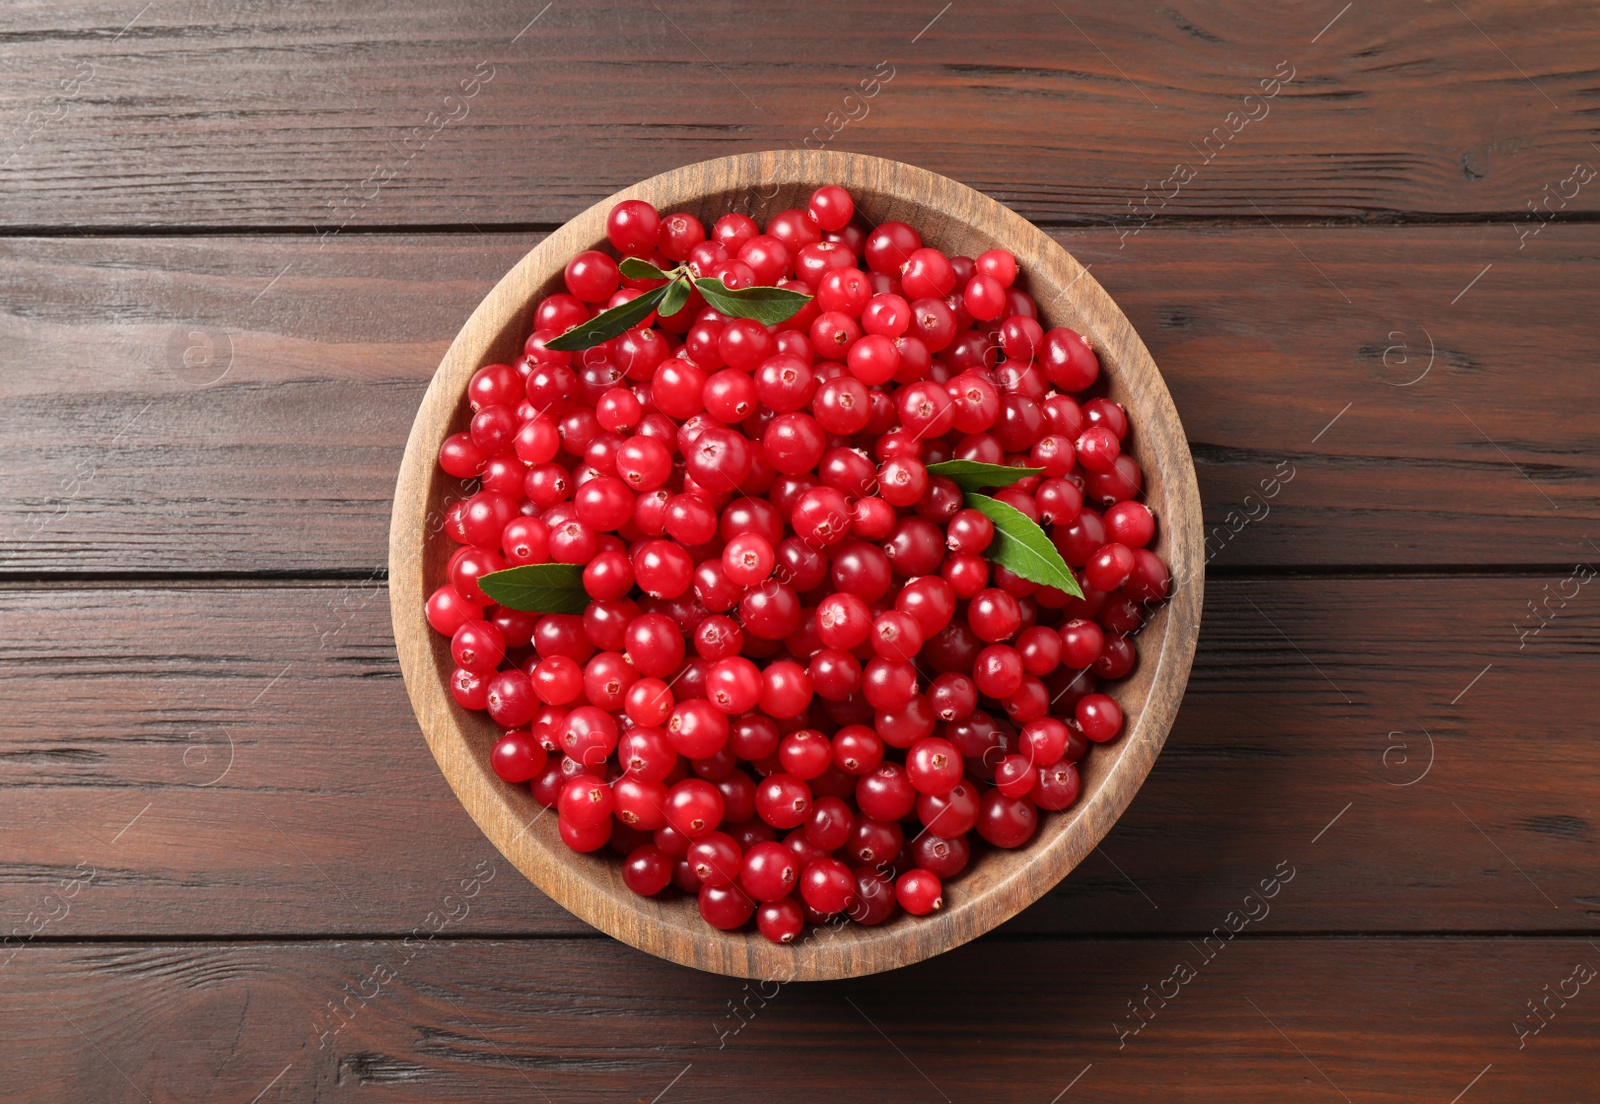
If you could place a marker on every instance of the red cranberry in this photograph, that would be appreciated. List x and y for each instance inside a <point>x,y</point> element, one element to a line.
<point>886,793</point>
<point>769,872</point>
<point>785,689</point>
<point>781,921</point>
<point>916,547</point>
<point>919,892</point>
<point>697,728</point>
<point>1006,821</point>
<point>725,907</point>
<point>941,856</point>
<point>517,757</point>
<point>770,611</point>
<point>647,871</point>
<point>828,887</point>
<point>1068,360</point>
<point>831,207</point>
<point>1099,716</point>
<point>632,228</point>
<point>875,900</point>
<point>783,801</point>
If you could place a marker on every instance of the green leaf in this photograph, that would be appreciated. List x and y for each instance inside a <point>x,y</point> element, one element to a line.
<point>767,305</point>
<point>672,302</point>
<point>970,475</point>
<point>608,323</point>
<point>635,269</point>
<point>1021,547</point>
<point>538,588</point>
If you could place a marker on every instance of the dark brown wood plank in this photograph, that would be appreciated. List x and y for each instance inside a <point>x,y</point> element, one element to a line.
<point>125,707</point>
<point>227,114</point>
<point>274,446</point>
<point>1262,1020</point>
<point>200,399</point>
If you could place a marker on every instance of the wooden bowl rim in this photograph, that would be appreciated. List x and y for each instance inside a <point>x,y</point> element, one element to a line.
<point>597,896</point>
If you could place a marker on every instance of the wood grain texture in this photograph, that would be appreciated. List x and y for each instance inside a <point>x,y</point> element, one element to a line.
<point>957,220</point>
<point>1261,1021</point>
<point>220,396</point>
<point>116,455</point>
<point>124,456</point>
<point>288,113</point>
<point>259,743</point>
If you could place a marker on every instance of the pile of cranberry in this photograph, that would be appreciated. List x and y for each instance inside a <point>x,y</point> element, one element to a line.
<point>798,684</point>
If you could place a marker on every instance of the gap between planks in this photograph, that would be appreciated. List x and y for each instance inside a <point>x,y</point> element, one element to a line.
<point>1382,218</point>
<point>1326,934</point>
<point>339,577</point>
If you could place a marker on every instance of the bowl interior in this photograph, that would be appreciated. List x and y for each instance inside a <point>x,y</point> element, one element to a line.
<point>998,884</point>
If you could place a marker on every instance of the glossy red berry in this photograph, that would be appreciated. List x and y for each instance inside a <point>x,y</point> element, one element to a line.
<point>933,766</point>
<point>1110,567</point>
<point>662,568</point>
<point>805,754</point>
<point>831,207</point>
<point>771,611</point>
<point>585,838</point>
<point>984,297</point>
<point>647,871</point>
<point>886,314</point>
<point>941,856</point>
<point>1068,360</point>
<point>726,907</point>
<point>951,814</point>
<point>886,793</point>
<point>697,728</point>
<point>1117,657</point>
<point>783,801</point>
<point>781,921</point>
<point>786,689</point>
<point>644,752</point>
<point>655,645</point>
<point>592,276</point>
<point>927,273</point>
<point>478,646</point>
<point>930,601</point>
<point>999,264</point>
<point>748,559</point>
<point>1150,581</point>
<point>896,636</point>
<point>1099,716</point>
<point>875,900</point>
<point>1057,788</point>
<point>517,756</point>
<point>994,615</point>
<point>585,802</point>
<point>632,227</point>
<point>890,246</point>
<point>828,887</point>
<point>715,858</point>
<point>769,872</point>
<point>919,892</point>
<point>1130,523</point>
<point>1015,776</point>
<point>694,807</point>
<point>733,685</point>
<point>1006,821</point>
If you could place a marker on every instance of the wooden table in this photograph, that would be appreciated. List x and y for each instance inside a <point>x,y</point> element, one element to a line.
<point>238,235</point>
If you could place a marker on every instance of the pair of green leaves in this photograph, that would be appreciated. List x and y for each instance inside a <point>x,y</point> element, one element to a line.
<point>1019,546</point>
<point>767,305</point>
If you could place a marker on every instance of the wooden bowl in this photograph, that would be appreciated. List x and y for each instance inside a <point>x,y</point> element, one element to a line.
<point>999,884</point>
